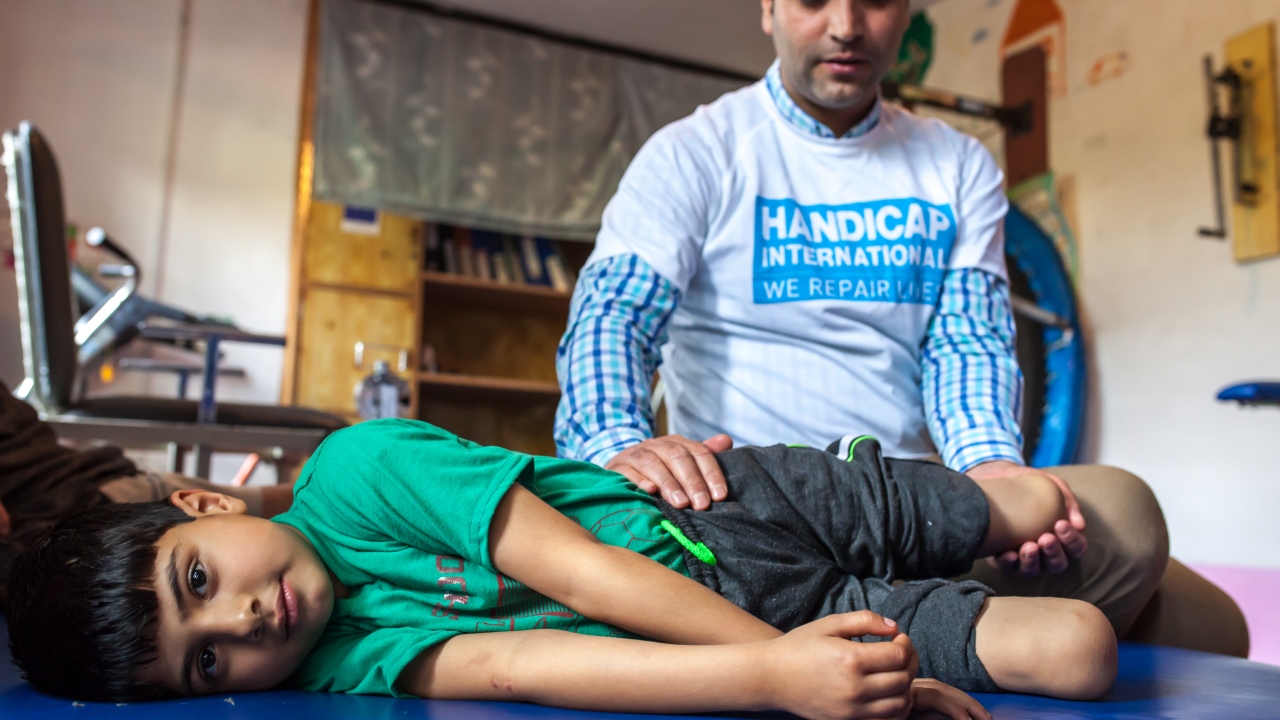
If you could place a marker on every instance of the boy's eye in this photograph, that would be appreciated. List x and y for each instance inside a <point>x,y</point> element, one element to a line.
<point>198,580</point>
<point>208,662</point>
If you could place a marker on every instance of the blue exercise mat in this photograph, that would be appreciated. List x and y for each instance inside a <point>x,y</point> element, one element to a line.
<point>1154,683</point>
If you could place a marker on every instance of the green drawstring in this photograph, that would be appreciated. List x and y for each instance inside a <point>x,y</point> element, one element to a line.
<point>698,550</point>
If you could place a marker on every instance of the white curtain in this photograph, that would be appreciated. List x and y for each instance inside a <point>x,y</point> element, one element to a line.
<point>459,122</point>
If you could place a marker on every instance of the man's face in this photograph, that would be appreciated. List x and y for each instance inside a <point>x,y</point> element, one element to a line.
<point>242,602</point>
<point>834,53</point>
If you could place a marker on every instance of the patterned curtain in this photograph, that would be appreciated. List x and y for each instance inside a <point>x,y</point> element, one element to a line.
<point>458,122</point>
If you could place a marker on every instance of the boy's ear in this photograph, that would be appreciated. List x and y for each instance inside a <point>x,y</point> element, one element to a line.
<point>199,503</point>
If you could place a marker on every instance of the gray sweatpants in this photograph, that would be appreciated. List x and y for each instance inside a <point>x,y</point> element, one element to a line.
<point>804,534</point>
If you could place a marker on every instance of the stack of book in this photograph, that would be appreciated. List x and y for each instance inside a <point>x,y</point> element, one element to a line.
<point>498,258</point>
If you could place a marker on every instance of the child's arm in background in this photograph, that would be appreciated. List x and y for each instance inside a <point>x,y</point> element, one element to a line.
<point>813,671</point>
<point>535,544</point>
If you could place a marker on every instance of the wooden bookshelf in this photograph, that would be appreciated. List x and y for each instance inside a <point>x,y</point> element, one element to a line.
<point>479,387</point>
<point>494,295</point>
<point>480,354</point>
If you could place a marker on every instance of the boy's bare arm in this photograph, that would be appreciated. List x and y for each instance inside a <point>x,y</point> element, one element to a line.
<point>534,543</point>
<point>814,671</point>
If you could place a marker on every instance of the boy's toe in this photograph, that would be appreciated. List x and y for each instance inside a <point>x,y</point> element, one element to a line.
<point>1073,541</point>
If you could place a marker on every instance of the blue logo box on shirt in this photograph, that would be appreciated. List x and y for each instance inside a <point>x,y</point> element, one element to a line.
<point>882,251</point>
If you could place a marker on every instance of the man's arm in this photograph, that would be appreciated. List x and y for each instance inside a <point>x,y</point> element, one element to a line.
<point>606,362</point>
<point>535,544</point>
<point>814,671</point>
<point>972,395</point>
<point>607,358</point>
<point>969,372</point>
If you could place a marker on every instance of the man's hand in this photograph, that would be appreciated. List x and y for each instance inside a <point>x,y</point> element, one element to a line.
<point>818,674</point>
<point>677,467</point>
<point>6,526</point>
<point>1051,549</point>
<point>931,695</point>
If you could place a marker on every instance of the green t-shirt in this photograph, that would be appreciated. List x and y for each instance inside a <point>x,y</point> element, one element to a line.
<point>399,511</point>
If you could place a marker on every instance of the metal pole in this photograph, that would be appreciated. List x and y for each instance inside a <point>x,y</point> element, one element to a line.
<point>207,414</point>
<point>1215,157</point>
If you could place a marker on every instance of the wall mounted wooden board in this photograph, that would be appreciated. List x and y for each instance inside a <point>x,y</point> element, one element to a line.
<point>1255,227</point>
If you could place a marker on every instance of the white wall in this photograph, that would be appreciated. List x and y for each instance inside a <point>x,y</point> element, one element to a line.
<point>95,77</point>
<point>1173,317</point>
<point>98,77</point>
<point>234,184</point>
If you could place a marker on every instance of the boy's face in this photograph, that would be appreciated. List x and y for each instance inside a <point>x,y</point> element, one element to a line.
<point>242,599</point>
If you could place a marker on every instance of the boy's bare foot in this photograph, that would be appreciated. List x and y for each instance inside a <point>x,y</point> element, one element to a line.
<point>929,695</point>
<point>1025,508</point>
<point>1034,556</point>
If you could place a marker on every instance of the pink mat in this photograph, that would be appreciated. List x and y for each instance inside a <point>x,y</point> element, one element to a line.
<point>1258,593</point>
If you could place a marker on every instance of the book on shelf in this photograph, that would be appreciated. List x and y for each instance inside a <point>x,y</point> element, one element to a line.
<point>501,259</point>
<point>449,262</point>
<point>531,258</point>
<point>511,257</point>
<point>466,255</point>
<point>501,271</point>
<point>490,264</point>
<point>433,250</point>
<point>558,274</point>
<point>481,266</point>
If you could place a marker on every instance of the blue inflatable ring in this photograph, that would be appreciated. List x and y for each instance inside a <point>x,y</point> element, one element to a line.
<point>1034,254</point>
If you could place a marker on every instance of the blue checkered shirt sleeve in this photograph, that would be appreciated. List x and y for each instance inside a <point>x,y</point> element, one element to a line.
<point>607,358</point>
<point>969,372</point>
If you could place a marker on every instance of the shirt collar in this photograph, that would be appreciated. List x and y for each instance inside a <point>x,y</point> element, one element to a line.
<point>803,120</point>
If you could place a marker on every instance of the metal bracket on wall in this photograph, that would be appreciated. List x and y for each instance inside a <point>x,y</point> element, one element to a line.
<point>1018,120</point>
<point>1251,123</point>
<point>1225,127</point>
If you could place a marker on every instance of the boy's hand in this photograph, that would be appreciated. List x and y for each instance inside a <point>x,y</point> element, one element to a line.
<point>1052,550</point>
<point>684,471</point>
<point>817,673</point>
<point>5,525</point>
<point>929,695</point>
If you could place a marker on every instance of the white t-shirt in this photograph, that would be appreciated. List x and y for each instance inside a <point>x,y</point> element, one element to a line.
<point>809,267</point>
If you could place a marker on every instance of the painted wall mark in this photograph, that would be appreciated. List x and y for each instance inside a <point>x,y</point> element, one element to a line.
<point>916,53</point>
<point>1108,67</point>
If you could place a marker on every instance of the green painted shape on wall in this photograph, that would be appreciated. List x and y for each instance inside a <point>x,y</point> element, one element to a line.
<point>916,54</point>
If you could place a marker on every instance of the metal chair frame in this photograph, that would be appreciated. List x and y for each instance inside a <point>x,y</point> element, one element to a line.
<point>53,363</point>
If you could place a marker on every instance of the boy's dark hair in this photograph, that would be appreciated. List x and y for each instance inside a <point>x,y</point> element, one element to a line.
<point>82,603</point>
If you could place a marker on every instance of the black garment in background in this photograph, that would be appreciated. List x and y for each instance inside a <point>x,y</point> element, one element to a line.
<point>42,482</point>
<point>804,534</point>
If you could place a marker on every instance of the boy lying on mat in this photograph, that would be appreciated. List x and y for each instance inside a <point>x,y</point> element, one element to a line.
<point>414,563</point>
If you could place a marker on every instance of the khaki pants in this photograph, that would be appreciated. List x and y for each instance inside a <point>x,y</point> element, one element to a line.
<point>1127,572</point>
<point>148,486</point>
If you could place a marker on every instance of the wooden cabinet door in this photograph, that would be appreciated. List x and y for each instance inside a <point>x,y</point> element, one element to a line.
<point>384,257</point>
<point>333,321</point>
